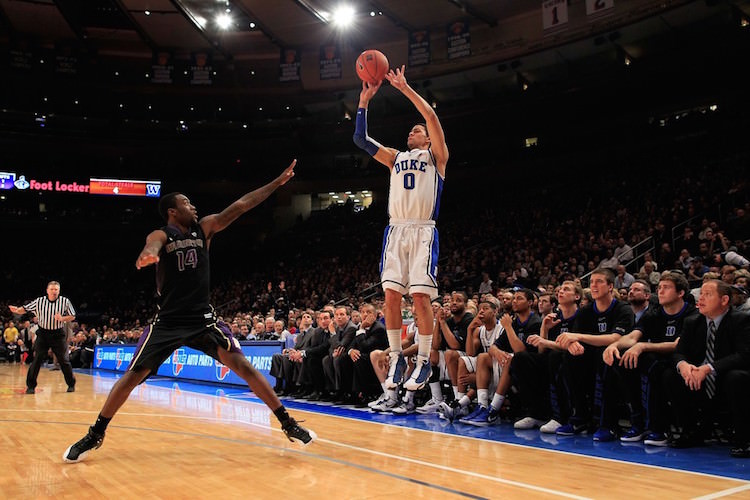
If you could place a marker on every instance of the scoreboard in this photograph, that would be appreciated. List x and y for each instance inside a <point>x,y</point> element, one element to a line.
<point>122,187</point>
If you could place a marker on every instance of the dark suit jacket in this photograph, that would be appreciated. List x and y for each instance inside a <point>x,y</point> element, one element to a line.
<point>374,338</point>
<point>731,346</point>
<point>343,337</point>
<point>303,338</point>
<point>316,343</point>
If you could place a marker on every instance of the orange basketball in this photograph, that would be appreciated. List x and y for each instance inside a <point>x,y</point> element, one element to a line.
<point>372,66</point>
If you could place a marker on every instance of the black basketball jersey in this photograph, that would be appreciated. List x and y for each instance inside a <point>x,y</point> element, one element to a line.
<point>523,329</point>
<point>460,331</point>
<point>617,318</point>
<point>658,326</point>
<point>182,275</point>
<point>565,325</point>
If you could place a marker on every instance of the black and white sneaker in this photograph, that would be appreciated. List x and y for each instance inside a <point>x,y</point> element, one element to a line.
<point>79,451</point>
<point>298,434</point>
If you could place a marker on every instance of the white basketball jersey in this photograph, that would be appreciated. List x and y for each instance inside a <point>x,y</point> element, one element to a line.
<point>416,186</point>
<point>487,338</point>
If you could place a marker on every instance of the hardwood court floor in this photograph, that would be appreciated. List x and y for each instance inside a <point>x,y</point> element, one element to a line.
<point>170,443</point>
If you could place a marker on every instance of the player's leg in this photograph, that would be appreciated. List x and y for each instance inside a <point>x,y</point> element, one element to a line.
<point>116,398</point>
<point>483,376</point>
<point>393,325</point>
<point>379,362</point>
<point>530,372</point>
<point>238,363</point>
<point>422,369</point>
<point>436,389</point>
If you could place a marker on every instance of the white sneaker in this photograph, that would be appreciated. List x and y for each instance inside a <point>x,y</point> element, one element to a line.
<point>378,401</point>
<point>404,408</point>
<point>528,423</point>
<point>429,407</point>
<point>420,375</point>
<point>387,405</point>
<point>395,370</point>
<point>550,427</point>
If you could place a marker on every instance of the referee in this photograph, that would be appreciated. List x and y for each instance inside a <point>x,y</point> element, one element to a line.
<point>52,312</point>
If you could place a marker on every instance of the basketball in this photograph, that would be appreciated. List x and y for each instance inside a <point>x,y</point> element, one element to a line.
<point>372,66</point>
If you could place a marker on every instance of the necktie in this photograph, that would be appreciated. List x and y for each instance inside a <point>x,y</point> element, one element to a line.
<point>711,377</point>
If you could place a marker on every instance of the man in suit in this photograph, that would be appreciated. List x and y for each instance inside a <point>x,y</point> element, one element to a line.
<point>370,336</point>
<point>311,378</point>
<point>283,367</point>
<point>337,365</point>
<point>712,363</point>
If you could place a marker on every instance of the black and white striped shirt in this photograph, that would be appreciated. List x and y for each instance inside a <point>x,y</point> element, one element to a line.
<point>46,309</point>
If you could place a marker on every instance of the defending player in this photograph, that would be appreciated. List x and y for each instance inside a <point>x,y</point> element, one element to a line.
<point>410,247</point>
<point>184,316</point>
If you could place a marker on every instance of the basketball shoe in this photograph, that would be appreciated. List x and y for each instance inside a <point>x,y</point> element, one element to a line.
<point>80,450</point>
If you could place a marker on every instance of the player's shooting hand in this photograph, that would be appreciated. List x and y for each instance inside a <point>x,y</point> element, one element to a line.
<point>368,92</point>
<point>397,78</point>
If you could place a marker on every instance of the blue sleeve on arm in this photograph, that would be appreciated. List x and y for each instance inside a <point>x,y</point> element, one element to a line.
<point>361,139</point>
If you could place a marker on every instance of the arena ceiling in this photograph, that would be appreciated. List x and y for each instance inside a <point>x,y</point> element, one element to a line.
<point>509,45</point>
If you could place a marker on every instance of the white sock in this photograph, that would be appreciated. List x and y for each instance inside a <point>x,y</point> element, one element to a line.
<point>436,391</point>
<point>392,394</point>
<point>460,395</point>
<point>408,396</point>
<point>483,395</point>
<point>385,389</point>
<point>464,401</point>
<point>455,392</point>
<point>425,344</point>
<point>497,401</point>
<point>394,340</point>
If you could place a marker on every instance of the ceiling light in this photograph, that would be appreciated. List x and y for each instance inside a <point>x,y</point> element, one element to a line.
<point>224,21</point>
<point>252,26</point>
<point>201,21</point>
<point>343,16</point>
<point>147,12</point>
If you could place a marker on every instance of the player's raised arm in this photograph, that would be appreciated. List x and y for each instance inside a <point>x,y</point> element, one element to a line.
<point>434,128</point>
<point>212,224</point>
<point>150,253</point>
<point>384,155</point>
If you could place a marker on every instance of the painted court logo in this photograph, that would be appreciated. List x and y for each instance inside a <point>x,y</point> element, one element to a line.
<point>119,355</point>
<point>179,358</point>
<point>221,371</point>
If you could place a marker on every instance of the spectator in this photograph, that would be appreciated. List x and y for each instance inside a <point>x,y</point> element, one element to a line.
<point>623,252</point>
<point>623,279</point>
